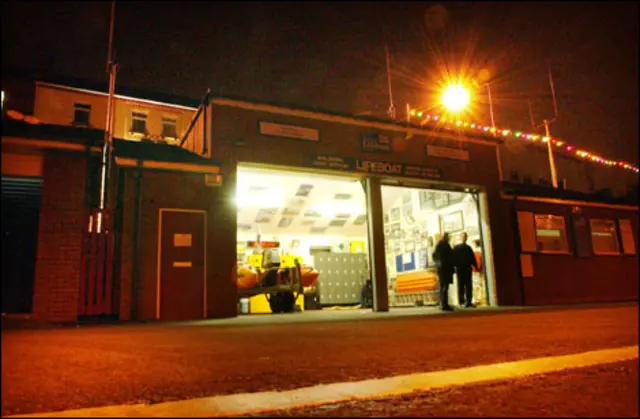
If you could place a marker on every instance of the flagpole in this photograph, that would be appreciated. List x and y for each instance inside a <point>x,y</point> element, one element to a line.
<point>108,137</point>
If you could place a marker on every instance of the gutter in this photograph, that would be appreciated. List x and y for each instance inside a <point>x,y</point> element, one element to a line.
<point>137,221</point>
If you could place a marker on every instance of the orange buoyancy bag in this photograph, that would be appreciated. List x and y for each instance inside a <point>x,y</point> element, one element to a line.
<point>247,277</point>
<point>309,276</point>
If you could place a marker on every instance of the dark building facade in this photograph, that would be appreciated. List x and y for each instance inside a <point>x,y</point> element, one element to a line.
<point>172,241</point>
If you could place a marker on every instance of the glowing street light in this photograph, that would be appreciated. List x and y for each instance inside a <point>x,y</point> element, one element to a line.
<point>456,98</point>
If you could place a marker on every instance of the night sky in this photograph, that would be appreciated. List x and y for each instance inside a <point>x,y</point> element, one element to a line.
<point>330,55</point>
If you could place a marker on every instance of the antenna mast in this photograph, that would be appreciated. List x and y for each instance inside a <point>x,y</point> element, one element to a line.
<point>392,108</point>
<point>108,136</point>
<point>547,123</point>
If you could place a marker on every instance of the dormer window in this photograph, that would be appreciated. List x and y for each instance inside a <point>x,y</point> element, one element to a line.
<point>169,129</point>
<point>81,114</point>
<point>138,122</point>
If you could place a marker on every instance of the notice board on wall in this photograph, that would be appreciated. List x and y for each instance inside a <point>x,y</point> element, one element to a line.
<point>582,236</point>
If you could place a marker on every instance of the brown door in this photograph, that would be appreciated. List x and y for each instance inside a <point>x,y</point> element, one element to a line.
<point>182,265</point>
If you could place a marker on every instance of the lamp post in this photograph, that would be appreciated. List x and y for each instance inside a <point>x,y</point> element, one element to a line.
<point>493,124</point>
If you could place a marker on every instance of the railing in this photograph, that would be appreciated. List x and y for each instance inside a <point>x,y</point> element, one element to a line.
<point>96,276</point>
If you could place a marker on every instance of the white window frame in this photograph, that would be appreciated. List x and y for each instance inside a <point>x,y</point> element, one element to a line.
<point>169,120</point>
<point>135,117</point>
<point>84,107</point>
<point>616,235</point>
<point>566,251</point>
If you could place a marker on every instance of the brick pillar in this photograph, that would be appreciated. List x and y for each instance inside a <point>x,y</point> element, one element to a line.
<point>63,220</point>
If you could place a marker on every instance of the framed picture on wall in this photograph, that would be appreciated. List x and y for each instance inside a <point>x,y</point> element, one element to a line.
<point>406,197</point>
<point>409,246</point>
<point>425,200</point>
<point>394,215</point>
<point>394,231</point>
<point>407,210</point>
<point>431,241</point>
<point>440,199</point>
<point>452,222</point>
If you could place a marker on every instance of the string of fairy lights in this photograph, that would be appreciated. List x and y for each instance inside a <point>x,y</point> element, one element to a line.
<point>442,122</point>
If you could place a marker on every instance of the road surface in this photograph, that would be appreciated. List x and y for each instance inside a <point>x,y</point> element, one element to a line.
<point>70,368</point>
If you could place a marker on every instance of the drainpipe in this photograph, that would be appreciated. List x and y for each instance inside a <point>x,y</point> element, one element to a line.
<point>137,219</point>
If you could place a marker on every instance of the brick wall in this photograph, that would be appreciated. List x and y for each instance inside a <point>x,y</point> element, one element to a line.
<point>564,278</point>
<point>123,272</point>
<point>175,190</point>
<point>62,222</point>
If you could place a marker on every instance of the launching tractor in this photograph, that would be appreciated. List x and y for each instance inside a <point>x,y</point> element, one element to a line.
<point>281,284</point>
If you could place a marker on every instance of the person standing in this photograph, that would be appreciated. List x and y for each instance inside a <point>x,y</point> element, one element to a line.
<point>465,261</point>
<point>444,259</point>
<point>478,253</point>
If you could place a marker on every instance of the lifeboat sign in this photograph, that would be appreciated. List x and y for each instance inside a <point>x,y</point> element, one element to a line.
<point>374,167</point>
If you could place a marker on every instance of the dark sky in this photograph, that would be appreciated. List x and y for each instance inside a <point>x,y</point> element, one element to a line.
<point>330,55</point>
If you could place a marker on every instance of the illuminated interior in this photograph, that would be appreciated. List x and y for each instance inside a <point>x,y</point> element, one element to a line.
<point>414,220</point>
<point>310,216</point>
<point>307,217</point>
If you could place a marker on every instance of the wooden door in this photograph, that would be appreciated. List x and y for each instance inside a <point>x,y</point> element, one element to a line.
<point>182,265</point>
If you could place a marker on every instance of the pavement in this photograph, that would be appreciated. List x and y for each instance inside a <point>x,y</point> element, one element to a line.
<point>603,391</point>
<point>57,369</point>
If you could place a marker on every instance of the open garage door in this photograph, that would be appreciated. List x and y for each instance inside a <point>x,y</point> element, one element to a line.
<point>20,214</point>
<point>318,220</point>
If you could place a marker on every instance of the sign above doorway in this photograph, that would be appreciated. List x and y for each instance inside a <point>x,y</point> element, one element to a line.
<point>376,143</point>
<point>372,166</point>
<point>289,131</point>
<point>447,152</point>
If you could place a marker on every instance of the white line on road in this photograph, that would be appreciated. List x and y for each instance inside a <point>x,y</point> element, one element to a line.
<point>252,403</point>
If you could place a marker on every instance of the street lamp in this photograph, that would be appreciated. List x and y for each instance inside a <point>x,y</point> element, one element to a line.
<point>456,98</point>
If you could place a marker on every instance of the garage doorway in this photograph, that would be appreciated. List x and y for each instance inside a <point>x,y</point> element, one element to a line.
<point>181,293</point>
<point>414,221</point>
<point>20,217</point>
<point>318,219</point>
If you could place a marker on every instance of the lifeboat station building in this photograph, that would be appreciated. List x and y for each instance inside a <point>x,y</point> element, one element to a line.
<point>360,201</point>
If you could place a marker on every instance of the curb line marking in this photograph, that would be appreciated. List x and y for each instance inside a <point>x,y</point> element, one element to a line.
<point>254,403</point>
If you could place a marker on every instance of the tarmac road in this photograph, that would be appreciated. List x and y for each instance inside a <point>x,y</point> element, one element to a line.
<point>70,368</point>
<point>602,391</point>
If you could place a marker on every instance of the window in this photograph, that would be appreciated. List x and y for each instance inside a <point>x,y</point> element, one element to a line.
<point>139,122</point>
<point>169,128</point>
<point>81,114</point>
<point>604,237</point>
<point>551,234</point>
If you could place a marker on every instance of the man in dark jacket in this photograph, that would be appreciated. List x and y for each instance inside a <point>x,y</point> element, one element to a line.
<point>443,257</point>
<point>464,259</point>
